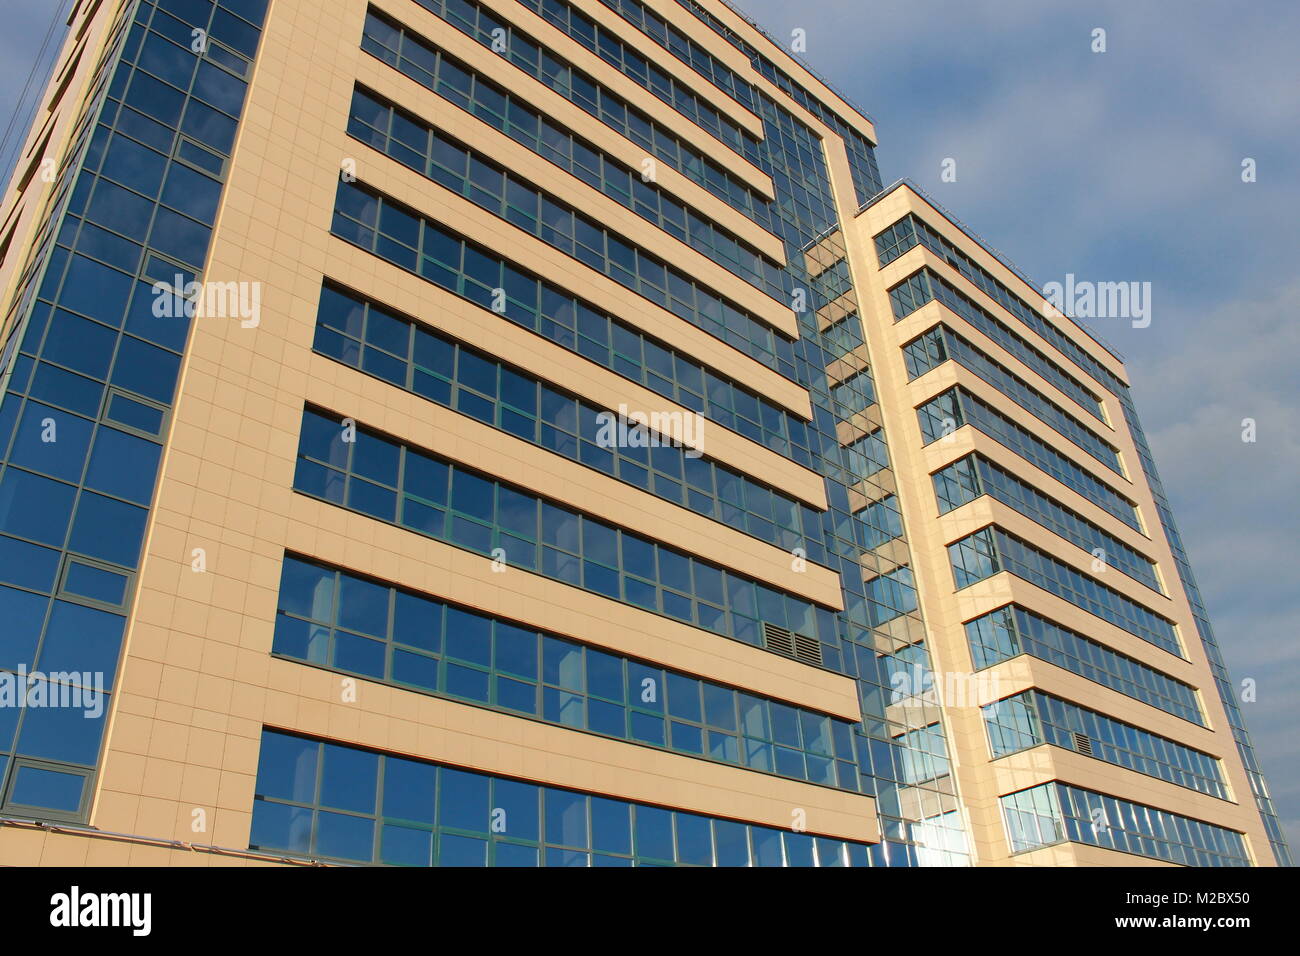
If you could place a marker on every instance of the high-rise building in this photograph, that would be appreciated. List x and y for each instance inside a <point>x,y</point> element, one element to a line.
<point>479,431</point>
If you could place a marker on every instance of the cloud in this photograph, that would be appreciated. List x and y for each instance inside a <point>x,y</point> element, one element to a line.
<point>1127,166</point>
<point>1113,166</point>
<point>1235,501</point>
<point>1071,158</point>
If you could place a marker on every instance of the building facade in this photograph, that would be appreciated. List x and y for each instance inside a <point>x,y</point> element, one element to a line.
<point>518,432</point>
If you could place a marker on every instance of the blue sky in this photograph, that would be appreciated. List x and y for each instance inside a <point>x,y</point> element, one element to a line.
<point>25,23</point>
<point>1115,166</point>
<point>1126,166</point>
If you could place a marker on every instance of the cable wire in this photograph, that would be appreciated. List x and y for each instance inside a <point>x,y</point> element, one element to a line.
<point>22,107</point>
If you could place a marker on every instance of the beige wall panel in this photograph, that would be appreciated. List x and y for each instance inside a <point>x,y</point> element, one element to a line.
<point>899,203</point>
<point>979,780</point>
<point>438,112</point>
<point>422,424</point>
<point>778,55</point>
<point>433,196</point>
<point>614,24</point>
<point>600,290</point>
<point>507,74</point>
<point>197,683</point>
<point>418,299</point>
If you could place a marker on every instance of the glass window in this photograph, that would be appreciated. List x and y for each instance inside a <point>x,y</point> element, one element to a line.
<point>78,344</point>
<point>287,767</point>
<point>51,441</point>
<point>46,788</point>
<point>82,640</point>
<point>363,606</point>
<point>473,495</point>
<point>463,800</point>
<point>24,616</point>
<point>123,465</point>
<point>469,636</point>
<point>348,779</point>
<point>515,806</point>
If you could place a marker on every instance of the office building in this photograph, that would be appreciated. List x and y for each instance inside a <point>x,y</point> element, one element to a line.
<point>476,432</point>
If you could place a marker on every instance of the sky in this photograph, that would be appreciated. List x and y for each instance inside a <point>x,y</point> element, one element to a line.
<point>23,28</point>
<point>1122,165</point>
<point>1126,165</point>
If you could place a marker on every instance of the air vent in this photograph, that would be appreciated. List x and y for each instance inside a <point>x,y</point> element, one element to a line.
<point>778,639</point>
<point>808,649</point>
<point>1083,744</point>
<point>798,646</point>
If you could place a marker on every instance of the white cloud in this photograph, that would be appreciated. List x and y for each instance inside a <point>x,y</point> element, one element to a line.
<point>1235,501</point>
<point>1126,165</point>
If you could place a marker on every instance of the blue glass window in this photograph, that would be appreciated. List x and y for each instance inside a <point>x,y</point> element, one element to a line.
<point>484,820</point>
<point>495,663</point>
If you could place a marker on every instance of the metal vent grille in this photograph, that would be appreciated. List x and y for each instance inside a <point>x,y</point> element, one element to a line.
<point>1083,744</point>
<point>808,649</point>
<point>783,641</point>
<point>778,639</point>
